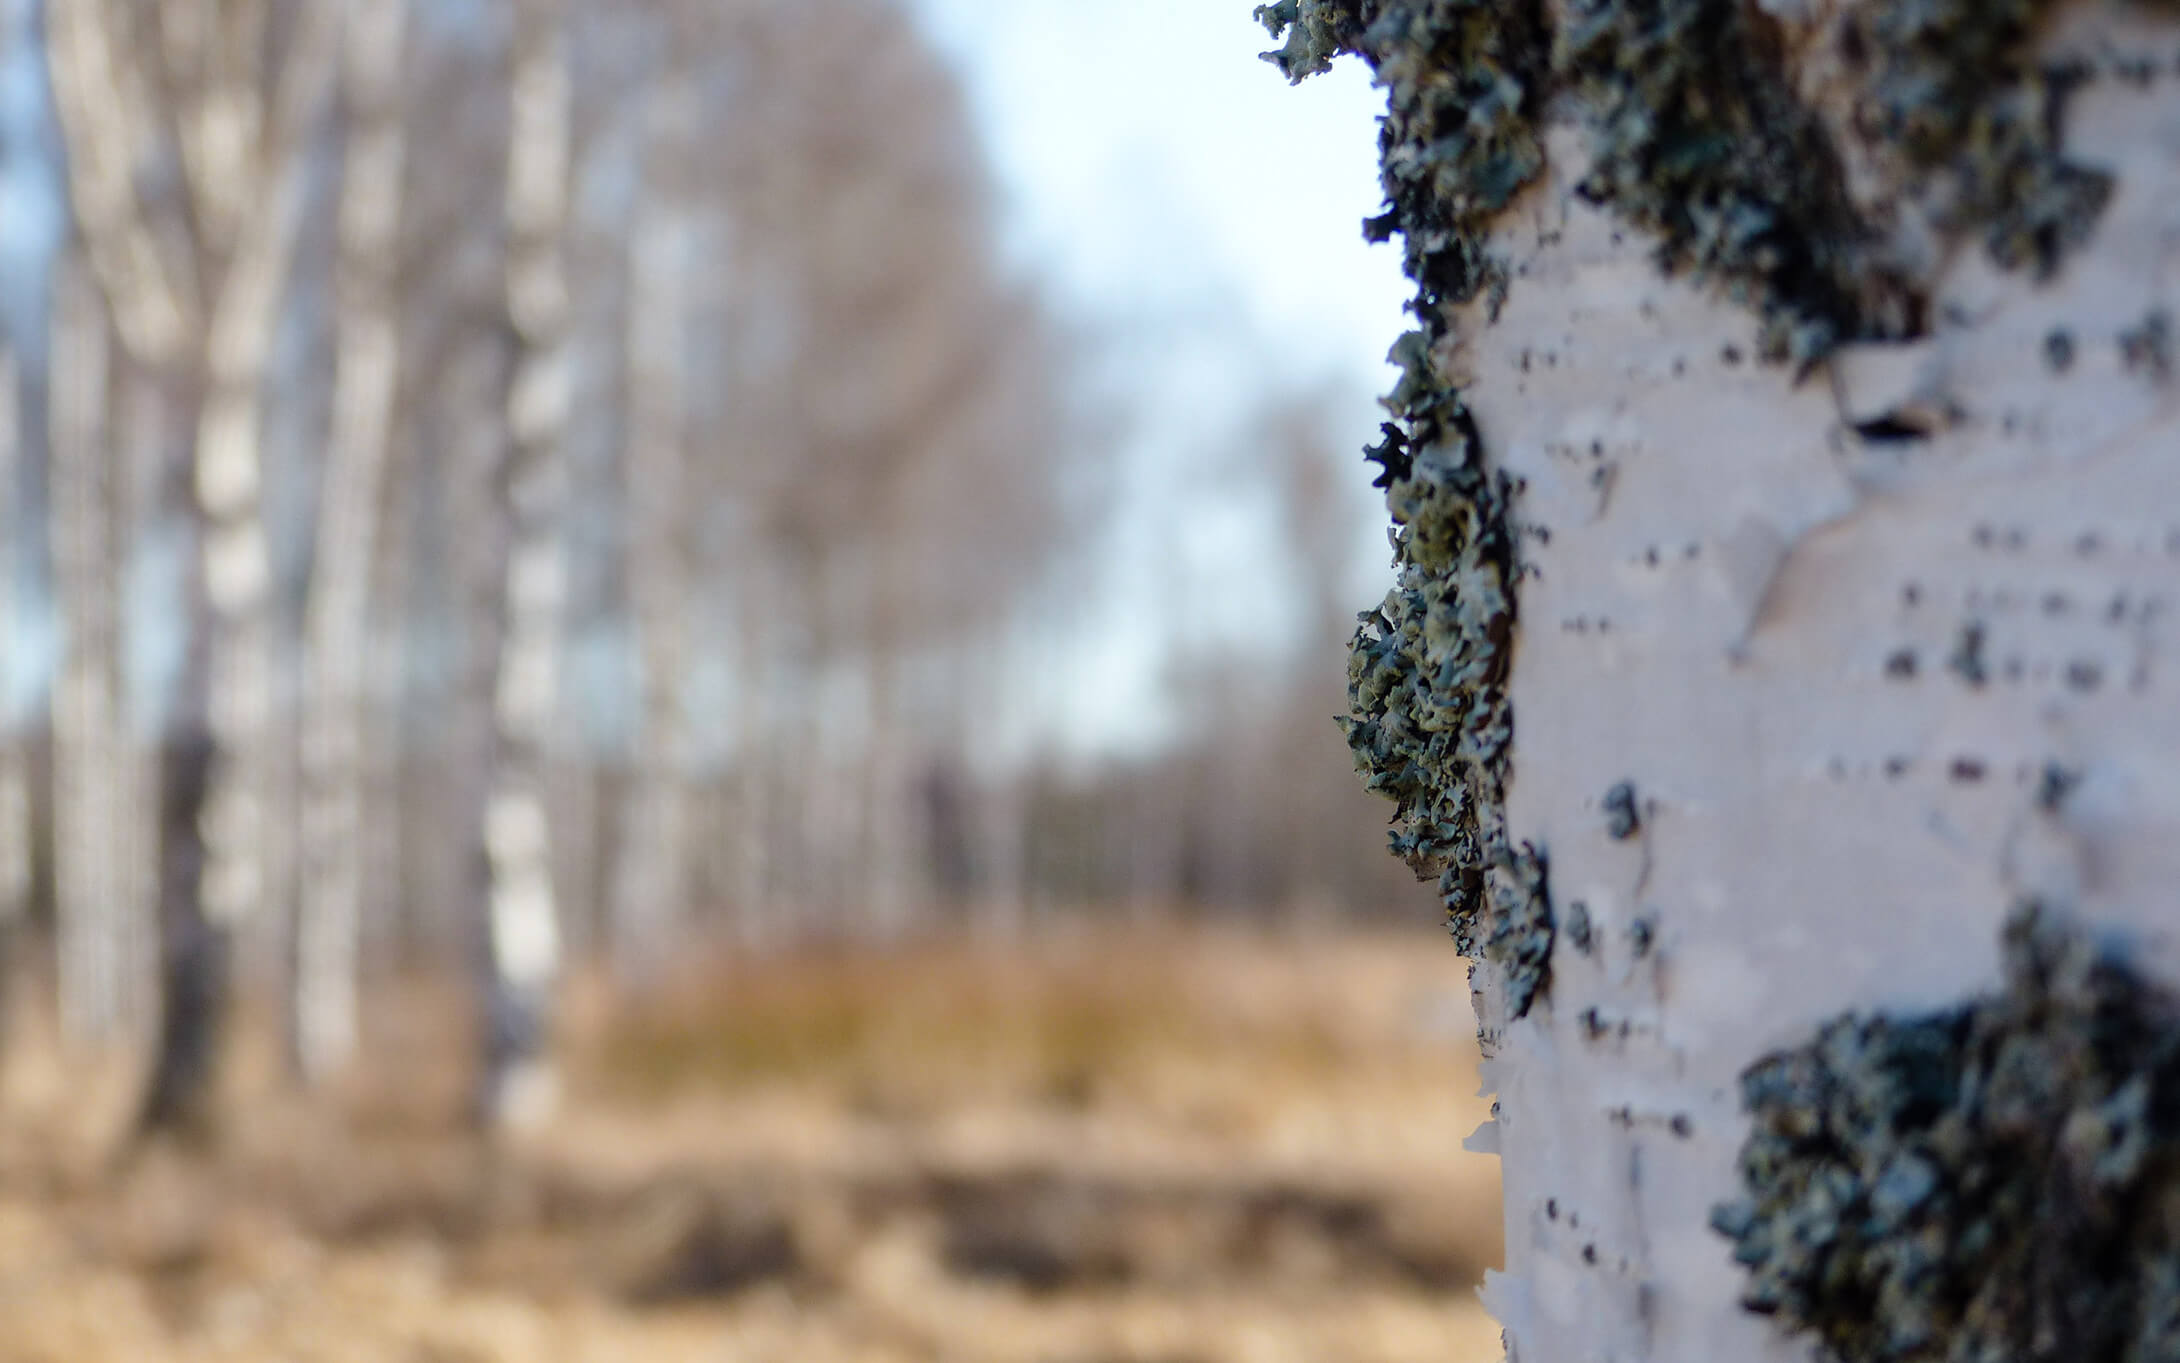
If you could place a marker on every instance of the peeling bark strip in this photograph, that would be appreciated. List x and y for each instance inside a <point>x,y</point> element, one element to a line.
<point>1799,718</point>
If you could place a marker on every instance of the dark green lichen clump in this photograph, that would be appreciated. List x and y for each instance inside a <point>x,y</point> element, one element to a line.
<point>1521,930</point>
<point>1955,87</point>
<point>1429,723</point>
<point>1700,141</point>
<point>1996,1182</point>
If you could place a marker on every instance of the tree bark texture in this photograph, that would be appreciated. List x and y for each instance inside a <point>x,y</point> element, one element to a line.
<point>1789,554</point>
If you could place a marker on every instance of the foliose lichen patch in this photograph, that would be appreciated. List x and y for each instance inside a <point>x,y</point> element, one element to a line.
<point>1955,88</point>
<point>1700,141</point>
<point>1429,723</point>
<point>1998,1181</point>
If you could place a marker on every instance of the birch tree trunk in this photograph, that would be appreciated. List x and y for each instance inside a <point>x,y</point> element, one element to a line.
<point>651,872</point>
<point>15,813</point>
<point>887,883</point>
<point>256,199</point>
<point>143,431</point>
<point>522,959</point>
<point>264,202</point>
<point>1731,695</point>
<point>351,501</point>
<point>756,899</point>
<point>87,748</point>
<point>241,146</point>
<point>109,126</point>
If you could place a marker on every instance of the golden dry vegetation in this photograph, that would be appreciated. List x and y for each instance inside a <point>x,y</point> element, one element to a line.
<point>1201,1147</point>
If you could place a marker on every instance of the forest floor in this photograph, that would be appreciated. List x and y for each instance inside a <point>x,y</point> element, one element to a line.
<point>1183,1147</point>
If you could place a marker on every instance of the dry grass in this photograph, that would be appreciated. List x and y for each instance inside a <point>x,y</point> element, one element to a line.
<point>1170,1148</point>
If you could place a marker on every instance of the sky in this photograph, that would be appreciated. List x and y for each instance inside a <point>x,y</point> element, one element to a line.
<point>1154,162</point>
<point>1204,218</point>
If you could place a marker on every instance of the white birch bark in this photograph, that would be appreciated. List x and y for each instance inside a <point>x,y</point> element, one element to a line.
<point>352,496</point>
<point>213,53</point>
<point>109,126</point>
<point>519,1086</point>
<point>1746,610</point>
<point>228,459</point>
<point>651,870</point>
<point>87,754</point>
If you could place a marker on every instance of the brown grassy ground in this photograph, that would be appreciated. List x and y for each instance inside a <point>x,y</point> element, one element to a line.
<point>1181,1148</point>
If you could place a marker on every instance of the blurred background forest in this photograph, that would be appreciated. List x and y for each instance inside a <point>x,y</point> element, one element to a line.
<point>612,700</point>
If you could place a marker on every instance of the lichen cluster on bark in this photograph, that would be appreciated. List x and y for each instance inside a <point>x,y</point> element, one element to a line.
<point>1997,1180</point>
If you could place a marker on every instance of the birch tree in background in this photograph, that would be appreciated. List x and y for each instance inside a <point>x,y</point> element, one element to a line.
<point>1779,684</point>
<point>522,958</point>
<point>89,755</point>
<point>652,873</point>
<point>196,291</point>
<point>352,496</point>
<point>15,811</point>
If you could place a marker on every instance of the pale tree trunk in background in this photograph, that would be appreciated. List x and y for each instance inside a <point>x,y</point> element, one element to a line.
<point>752,804</point>
<point>578,781</point>
<point>243,169</point>
<point>108,123</point>
<point>260,193</point>
<point>212,53</point>
<point>384,892</point>
<point>87,743</point>
<point>1000,817</point>
<point>523,933</point>
<point>143,429</point>
<point>352,495</point>
<point>651,870</point>
<point>886,879</point>
<point>15,814</point>
<point>1826,639</point>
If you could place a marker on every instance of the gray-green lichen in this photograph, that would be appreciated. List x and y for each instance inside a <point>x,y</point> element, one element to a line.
<point>1700,140</point>
<point>2146,347</point>
<point>1954,87</point>
<point>1521,929</point>
<point>1999,1181</point>
<point>1429,723</point>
